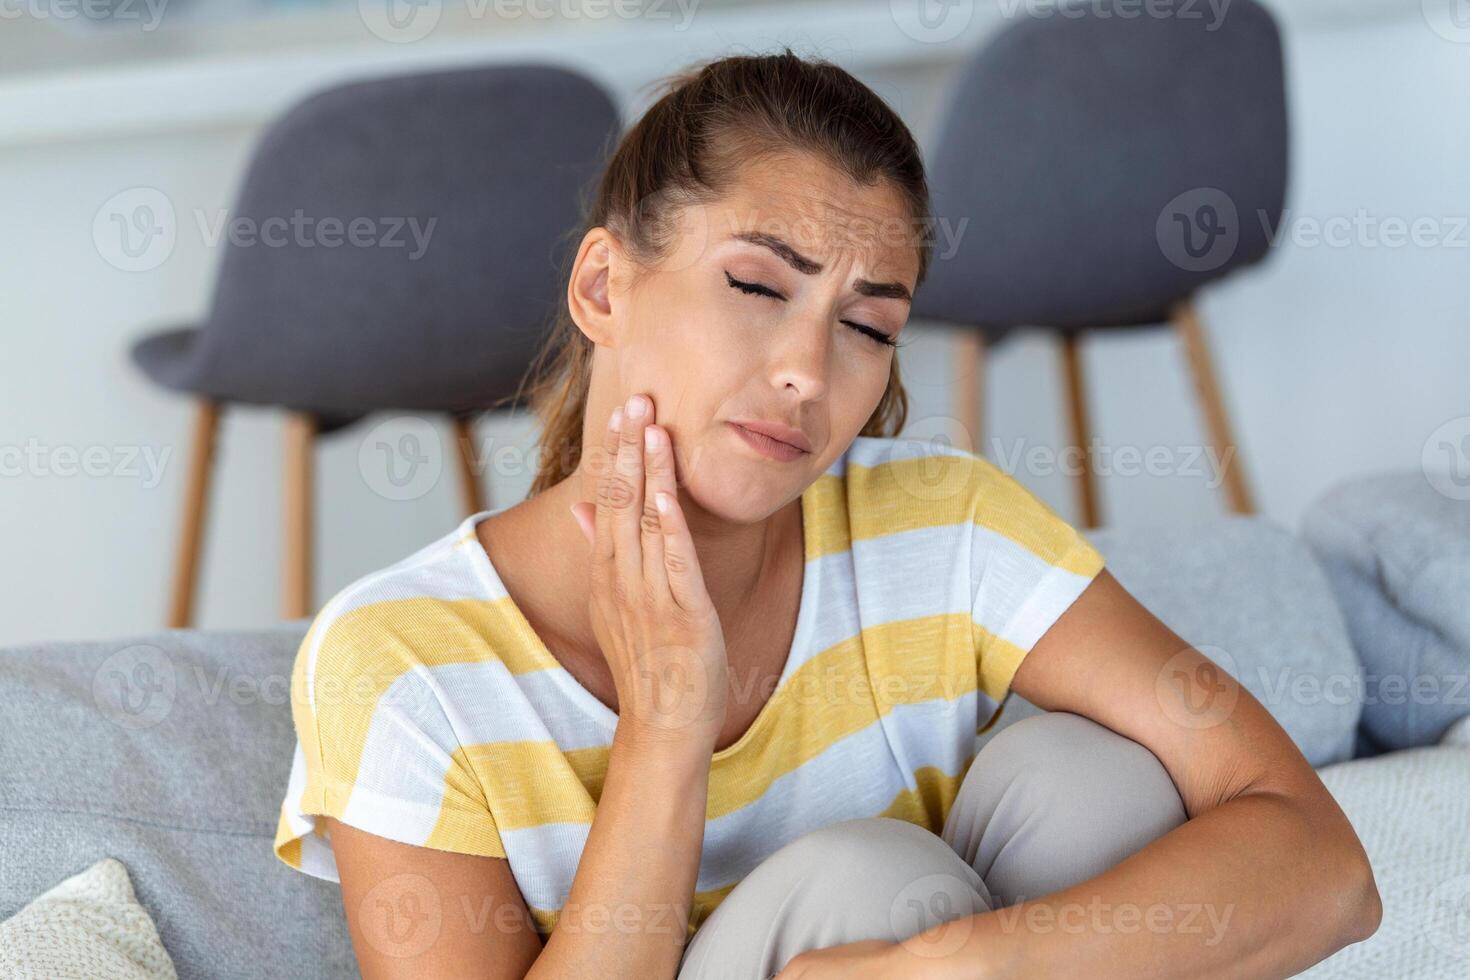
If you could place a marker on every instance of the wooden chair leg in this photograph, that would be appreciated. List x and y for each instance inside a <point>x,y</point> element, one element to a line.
<point>968,396</point>
<point>300,438</point>
<point>196,494</point>
<point>470,491</point>
<point>1080,430</point>
<point>1217,424</point>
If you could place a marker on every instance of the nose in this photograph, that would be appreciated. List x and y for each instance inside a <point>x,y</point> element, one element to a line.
<point>799,359</point>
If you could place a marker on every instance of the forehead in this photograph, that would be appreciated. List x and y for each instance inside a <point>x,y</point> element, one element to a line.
<point>822,213</point>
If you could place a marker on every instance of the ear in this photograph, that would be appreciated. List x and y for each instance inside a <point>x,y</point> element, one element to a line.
<point>590,290</point>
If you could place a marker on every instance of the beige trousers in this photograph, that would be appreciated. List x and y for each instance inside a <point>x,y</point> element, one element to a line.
<point>1052,800</point>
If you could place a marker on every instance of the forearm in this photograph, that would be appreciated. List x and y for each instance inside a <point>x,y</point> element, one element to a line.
<point>1259,886</point>
<point>629,906</point>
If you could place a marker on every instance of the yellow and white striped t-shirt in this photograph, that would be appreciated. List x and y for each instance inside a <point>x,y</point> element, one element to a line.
<point>428,711</point>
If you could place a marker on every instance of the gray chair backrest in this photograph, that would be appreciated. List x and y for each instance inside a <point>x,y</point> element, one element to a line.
<point>452,198</point>
<point>1107,167</point>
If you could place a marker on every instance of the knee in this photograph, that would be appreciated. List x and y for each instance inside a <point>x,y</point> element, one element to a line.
<point>874,844</point>
<point>861,879</point>
<point>881,862</point>
<point>1069,760</point>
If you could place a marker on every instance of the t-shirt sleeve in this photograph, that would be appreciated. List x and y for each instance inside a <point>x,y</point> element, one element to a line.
<point>375,750</point>
<point>1028,566</point>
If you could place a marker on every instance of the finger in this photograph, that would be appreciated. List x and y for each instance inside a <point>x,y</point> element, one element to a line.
<point>602,549</point>
<point>626,490</point>
<point>681,561</point>
<point>582,513</point>
<point>657,475</point>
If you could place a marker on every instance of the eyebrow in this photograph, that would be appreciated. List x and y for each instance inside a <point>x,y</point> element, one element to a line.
<point>804,265</point>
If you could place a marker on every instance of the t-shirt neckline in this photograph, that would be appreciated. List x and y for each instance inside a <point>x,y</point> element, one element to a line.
<point>605,716</point>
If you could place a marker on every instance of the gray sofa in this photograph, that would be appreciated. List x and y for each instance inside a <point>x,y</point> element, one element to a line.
<point>170,751</point>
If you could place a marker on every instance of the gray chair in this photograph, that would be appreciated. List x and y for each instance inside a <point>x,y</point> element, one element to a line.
<point>1107,168</point>
<point>403,248</point>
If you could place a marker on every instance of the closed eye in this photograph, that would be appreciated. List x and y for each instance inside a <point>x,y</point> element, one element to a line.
<point>756,289</point>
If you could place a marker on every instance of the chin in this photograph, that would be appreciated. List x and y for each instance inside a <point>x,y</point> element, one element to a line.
<point>733,486</point>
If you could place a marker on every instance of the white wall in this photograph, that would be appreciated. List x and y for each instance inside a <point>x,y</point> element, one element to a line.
<point>1336,360</point>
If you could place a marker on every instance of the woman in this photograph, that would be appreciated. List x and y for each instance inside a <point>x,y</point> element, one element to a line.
<point>705,703</point>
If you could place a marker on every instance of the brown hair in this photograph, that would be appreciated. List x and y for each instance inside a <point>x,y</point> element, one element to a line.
<point>710,121</point>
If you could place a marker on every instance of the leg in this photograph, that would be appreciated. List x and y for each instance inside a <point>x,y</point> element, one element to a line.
<point>297,574</point>
<point>196,493</point>
<point>1217,422</point>
<point>870,878</point>
<point>1055,799</point>
<point>470,494</point>
<point>1080,429</point>
<point>968,398</point>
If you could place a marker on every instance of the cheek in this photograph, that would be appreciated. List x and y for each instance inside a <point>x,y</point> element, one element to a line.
<point>861,385</point>
<point>688,381</point>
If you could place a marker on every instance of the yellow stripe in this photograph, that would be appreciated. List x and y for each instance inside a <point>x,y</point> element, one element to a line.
<point>465,822</point>
<point>933,491</point>
<point>998,661</point>
<point>305,720</point>
<point>287,844</point>
<point>827,534</point>
<point>533,783</point>
<point>930,803</point>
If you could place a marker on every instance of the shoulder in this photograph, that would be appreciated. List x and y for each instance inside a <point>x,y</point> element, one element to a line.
<point>930,475</point>
<point>916,481</point>
<point>378,631</point>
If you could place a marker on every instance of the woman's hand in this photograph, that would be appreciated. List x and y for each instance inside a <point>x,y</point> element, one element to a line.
<point>651,613</point>
<point>869,958</point>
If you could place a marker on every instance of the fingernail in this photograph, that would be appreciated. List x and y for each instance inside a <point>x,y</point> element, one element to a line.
<point>616,421</point>
<point>650,437</point>
<point>636,407</point>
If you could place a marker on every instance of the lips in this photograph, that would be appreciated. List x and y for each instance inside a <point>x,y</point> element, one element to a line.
<point>775,430</point>
<point>764,445</point>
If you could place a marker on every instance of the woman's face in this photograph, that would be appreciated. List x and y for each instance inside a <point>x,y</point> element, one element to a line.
<point>775,304</point>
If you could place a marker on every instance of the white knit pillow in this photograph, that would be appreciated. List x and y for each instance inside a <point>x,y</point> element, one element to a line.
<point>90,925</point>
<point>1410,809</point>
<point>1457,734</point>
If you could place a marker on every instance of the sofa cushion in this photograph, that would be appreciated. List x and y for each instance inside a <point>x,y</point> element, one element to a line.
<point>168,752</point>
<point>1398,553</point>
<point>1248,594</point>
